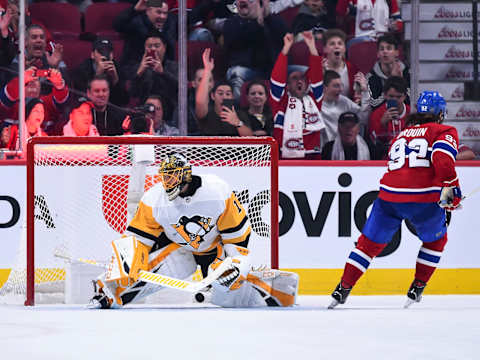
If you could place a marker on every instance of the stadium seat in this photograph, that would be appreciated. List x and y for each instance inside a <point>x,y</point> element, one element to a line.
<point>63,20</point>
<point>194,58</point>
<point>99,18</point>
<point>75,52</point>
<point>288,15</point>
<point>363,54</point>
<point>117,49</point>
<point>299,53</point>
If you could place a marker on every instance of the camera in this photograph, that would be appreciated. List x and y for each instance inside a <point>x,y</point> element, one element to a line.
<point>139,122</point>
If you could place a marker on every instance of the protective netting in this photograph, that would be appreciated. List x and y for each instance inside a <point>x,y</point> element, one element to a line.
<point>85,194</point>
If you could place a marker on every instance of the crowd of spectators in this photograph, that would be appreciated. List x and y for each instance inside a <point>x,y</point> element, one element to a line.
<point>249,82</point>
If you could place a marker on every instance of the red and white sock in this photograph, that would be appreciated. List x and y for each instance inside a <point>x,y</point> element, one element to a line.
<point>428,258</point>
<point>359,260</point>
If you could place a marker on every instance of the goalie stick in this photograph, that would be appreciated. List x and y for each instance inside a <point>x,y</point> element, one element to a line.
<point>163,280</point>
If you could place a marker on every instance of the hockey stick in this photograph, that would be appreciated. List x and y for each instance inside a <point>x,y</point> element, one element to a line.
<point>163,280</point>
<point>474,191</point>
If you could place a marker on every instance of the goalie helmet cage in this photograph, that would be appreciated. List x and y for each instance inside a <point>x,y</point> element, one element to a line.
<point>248,165</point>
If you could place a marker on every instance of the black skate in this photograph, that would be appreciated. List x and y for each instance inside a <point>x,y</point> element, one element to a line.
<point>100,300</point>
<point>339,295</point>
<point>414,294</point>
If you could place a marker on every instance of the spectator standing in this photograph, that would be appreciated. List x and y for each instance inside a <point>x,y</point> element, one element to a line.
<point>101,62</point>
<point>107,118</point>
<point>36,54</point>
<point>218,119</point>
<point>390,118</point>
<point>258,113</point>
<point>312,16</point>
<point>252,40</point>
<point>372,17</point>
<point>334,59</point>
<point>296,102</point>
<point>334,104</point>
<point>387,65</point>
<point>139,22</point>
<point>348,145</point>
<point>156,75</point>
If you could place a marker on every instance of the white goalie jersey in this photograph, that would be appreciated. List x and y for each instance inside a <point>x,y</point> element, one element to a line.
<point>198,222</point>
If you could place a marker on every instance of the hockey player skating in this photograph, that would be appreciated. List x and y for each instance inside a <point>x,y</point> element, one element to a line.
<point>183,221</point>
<point>419,185</point>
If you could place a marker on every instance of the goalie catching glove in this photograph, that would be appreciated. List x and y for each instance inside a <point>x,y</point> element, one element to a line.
<point>450,198</point>
<point>234,277</point>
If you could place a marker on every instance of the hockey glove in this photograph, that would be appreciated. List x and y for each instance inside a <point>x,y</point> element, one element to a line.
<point>450,198</point>
<point>229,277</point>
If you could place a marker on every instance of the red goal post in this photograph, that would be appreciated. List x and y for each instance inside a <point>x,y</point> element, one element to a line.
<point>249,165</point>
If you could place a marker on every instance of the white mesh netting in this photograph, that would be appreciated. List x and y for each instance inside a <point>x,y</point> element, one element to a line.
<point>81,195</point>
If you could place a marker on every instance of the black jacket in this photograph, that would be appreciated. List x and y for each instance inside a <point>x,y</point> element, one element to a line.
<point>136,27</point>
<point>85,72</point>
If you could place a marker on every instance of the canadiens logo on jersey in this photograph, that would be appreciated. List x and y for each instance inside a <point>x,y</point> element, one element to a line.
<point>193,229</point>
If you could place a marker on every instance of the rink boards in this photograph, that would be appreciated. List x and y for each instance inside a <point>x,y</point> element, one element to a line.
<point>322,209</point>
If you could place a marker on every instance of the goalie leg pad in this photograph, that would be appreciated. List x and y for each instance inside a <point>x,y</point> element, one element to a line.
<point>128,258</point>
<point>172,261</point>
<point>262,288</point>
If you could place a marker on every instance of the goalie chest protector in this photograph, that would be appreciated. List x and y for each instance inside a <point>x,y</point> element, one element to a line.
<point>191,221</point>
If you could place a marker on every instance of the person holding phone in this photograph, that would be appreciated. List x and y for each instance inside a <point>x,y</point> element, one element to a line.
<point>101,63</point>
<point>388,120</point>
<point>221,119</point>
<point>156,75</point>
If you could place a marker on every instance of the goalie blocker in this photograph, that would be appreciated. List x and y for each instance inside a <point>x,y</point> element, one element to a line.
<point>239,286</point>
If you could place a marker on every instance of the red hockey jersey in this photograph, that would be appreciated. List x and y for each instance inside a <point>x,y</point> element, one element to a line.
<point>422,160</point>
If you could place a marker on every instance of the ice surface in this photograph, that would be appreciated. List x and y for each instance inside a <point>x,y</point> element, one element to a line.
<point>367,327</point>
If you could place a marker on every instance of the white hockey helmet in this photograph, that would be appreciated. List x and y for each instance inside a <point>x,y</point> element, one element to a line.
<point>175,171</point>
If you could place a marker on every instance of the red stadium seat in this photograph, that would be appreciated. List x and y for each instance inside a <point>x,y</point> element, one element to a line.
<point>75,52</point>
<point>117,49</point>
<point>288,15</point>
<point>99,18</point>
<point>63,20</point>
<point>194,58</point>
<point>363,54</point>
<point>299,53</point>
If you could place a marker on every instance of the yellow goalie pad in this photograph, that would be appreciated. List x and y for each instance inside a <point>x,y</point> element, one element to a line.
<point>128,258</point>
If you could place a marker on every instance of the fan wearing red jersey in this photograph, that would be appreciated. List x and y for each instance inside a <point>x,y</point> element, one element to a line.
<point>419,185</point>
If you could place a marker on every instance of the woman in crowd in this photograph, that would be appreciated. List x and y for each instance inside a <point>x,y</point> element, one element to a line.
<point>258,113</point>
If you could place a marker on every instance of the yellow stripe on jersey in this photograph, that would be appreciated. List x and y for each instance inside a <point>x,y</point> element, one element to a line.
<point>145,222</point>
<point>233,225</point>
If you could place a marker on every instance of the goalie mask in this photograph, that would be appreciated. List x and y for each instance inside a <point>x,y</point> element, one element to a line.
<point>175,172</point>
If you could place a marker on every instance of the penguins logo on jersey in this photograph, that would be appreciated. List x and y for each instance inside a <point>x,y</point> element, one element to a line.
<point>193,229</point>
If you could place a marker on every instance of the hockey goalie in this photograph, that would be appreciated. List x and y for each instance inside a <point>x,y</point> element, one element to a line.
<point>186,220</point>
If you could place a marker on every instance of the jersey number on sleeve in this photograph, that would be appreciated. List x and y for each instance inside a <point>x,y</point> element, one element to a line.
<point>416,150</point>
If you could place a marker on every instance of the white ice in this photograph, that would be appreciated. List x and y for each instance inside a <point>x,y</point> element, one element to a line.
<point>367,327</point>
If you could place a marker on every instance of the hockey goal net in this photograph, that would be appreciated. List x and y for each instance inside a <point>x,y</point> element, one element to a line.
<point>81,193</point>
